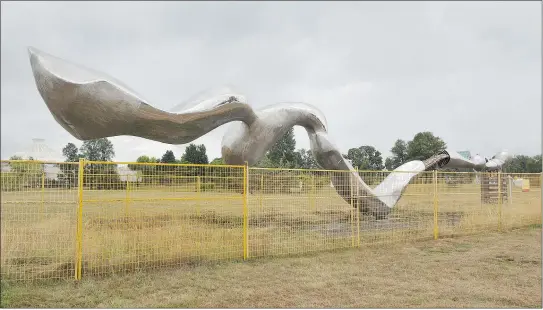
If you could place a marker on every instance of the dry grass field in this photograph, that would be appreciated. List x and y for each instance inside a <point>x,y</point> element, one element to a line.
<point>493,270</point>
<point>155,228</point>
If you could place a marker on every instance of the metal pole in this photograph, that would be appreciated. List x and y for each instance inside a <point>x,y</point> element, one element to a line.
<point>436,214</point>
<point>261,189</point>
<point>79,236</point>
<point>245,214</point>
<point>42,189</point>
<point>499,200</point>
<point>352,208</point>
<point>198,195</point>
<point>313,193</point>
<point>127,197</point>
<point>357,210</point>
<point>510,185</point>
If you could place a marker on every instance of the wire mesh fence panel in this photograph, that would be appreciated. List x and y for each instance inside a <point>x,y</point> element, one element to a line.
<point>468,202</point>
<point>38,217</point>
<point>159,215</point>
<point>297,211</point>
<point>411,218</point>
<point>62,220</point>
<point>523,204</point>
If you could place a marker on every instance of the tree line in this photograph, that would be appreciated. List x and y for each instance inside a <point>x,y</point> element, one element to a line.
<point>284,154</point>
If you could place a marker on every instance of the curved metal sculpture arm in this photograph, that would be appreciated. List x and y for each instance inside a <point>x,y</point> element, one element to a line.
<point>92,105</point>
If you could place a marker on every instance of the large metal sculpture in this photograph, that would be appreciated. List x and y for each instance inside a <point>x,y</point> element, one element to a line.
<point>92,105</point>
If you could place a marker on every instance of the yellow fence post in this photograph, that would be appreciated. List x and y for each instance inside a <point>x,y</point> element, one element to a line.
<point>352,208</point>
<point>436,228</point>
<point>313,194</point>
<point>42,190</point>
<point>245,214</point>
<point>509,189</point>
<point>310,192</point>
<point>198,195</point>
<point>499,200</point>
<point>357,209</point>
<point>261,189</point>
<point>79,237</point>
<point>127,197</point>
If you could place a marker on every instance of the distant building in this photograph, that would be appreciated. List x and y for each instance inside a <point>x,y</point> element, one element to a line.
<point>6,167</point>
<point>126,174</point>
<point>465,154</point>
<point>39,150</point>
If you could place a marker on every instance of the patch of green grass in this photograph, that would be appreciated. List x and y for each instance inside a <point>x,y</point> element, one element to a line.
<point>5,294</point>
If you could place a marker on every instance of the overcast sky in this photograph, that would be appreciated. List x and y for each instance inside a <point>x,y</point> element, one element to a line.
<point>469,72</point>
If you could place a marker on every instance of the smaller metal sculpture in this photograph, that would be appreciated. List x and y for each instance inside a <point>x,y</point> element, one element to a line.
<point>92,105</point>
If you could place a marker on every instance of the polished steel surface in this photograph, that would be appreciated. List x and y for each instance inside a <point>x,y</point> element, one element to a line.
<point>92,105</point>
<point>477,162</point>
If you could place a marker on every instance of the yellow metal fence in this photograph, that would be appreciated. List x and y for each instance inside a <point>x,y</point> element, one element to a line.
<point>68,220</point>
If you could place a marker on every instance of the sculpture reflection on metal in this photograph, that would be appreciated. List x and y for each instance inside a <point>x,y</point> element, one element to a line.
<point>91,105</point>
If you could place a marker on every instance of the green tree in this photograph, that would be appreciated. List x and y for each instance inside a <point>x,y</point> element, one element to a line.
<point>374,158</point>
<point>365,157</point>
<point>98,150</point>
<point>141,159</point>
<point>100,176</point>
<point>266,162</point>
<point>145,171</point>
<point>306,160</point>
<point>69,171</point>
<point>25,167</point>
<point>282,153</point>
<point>22,174</point>
<point>71,153</point>
<point>424,145</point>
<point>523,164</point>
<point>168,158</point>
<point>399,154</point>
<point>217,161</point>
<point>355,155</point>
<point>535,165</point>
<point>195,154</point>
<point>389,164</point>
<point>517,164</point>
